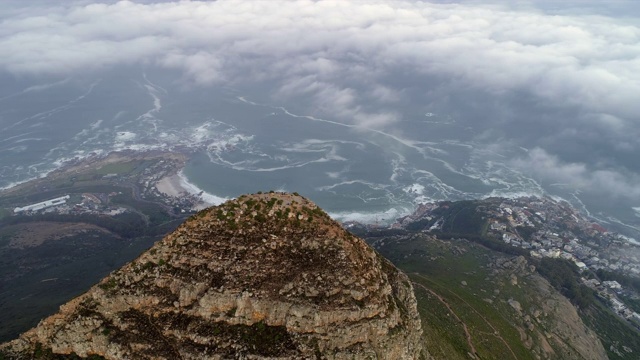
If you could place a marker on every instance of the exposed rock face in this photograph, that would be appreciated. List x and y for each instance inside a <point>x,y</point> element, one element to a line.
<point>264,276</point>
<point>552,328</point>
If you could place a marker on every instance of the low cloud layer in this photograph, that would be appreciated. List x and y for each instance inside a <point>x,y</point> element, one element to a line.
<point>559,78</point>
<point>579,176</point>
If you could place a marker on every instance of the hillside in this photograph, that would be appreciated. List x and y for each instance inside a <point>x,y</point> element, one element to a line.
<point>263,276</point>
<point>478,303</point>
<point>113,213</point>
<point>521,278</point>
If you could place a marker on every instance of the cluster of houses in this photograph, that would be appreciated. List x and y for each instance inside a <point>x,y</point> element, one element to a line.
<point>551,236</point>
<point>609,290</point>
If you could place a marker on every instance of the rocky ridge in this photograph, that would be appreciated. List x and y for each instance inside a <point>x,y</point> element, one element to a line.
<point>264,276</point>
<point>551,328</point>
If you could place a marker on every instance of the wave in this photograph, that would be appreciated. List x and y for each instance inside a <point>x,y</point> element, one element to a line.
<point>507,194</point>
<point>417,189</point>
<point>629,239</point>
<point>382,217</point>
<point>619,222</point>
<point>46,114</point>
<point>36,88</point>
<point>208,198</point>
<point>16,136</point>
<point>16,183</point>
<point>441,189</point>
<point>410,171</point>
<point>17,149</point>
<point>371,185</point>
<point>29,139</point>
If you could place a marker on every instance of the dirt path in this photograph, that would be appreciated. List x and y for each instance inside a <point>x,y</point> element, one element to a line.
<point>495,331</point>
<point>464,326</point>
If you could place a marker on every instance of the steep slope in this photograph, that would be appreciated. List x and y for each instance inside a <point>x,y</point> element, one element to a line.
<point>263,276</point>
<point>479,303</point>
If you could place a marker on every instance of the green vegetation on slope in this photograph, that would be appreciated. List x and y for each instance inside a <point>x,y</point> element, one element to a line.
<point>443,274</point>
<point>451,310</point>
<point>565,277</point>
<point>620,339</point>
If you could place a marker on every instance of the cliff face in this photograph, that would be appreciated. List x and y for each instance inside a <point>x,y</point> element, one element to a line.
<point>549,325</point>
<point>263,276</point>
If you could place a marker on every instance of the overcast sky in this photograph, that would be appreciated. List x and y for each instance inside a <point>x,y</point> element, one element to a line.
<point>561,78</point>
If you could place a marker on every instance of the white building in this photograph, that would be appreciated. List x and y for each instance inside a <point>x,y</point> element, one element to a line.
<point>43,205</point>
<point>612,285</point>
<point>581,265</point>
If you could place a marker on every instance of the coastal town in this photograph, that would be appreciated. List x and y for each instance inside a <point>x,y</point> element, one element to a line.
<point>111,186</point>
<point>562,232</point>
<point>540,226</point>
<point>546,228</point>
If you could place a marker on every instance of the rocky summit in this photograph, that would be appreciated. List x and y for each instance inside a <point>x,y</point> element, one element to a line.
<point>263,276</point>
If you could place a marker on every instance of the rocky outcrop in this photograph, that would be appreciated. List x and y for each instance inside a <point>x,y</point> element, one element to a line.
<point>263,276</point>
<point>550,327</point>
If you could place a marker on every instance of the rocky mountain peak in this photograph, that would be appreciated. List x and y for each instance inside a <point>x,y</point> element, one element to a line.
<point>262,276</point>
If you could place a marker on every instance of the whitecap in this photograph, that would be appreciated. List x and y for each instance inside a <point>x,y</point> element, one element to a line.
<point>619,222</point>
<point>423,200</point>
<point>125,136</point>
<point>118,115</point>
<point>208,198</point>
<point>333,174</point>
<point>16,183</point>
<point>352,182</point>
<point>16,136</point>
<point>628,239</point>
<point>96,124</point>
<point>17,149</point>
<point>502,193</point>
<point>28,139</point>
<point>385,217</point>
<point>414,189</point>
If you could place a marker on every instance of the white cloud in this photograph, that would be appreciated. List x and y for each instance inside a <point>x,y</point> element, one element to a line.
<point>579,176</point>
<point>339,52</point>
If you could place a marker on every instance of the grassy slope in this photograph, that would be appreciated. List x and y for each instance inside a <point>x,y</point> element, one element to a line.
<point>614,333</point>
<point>438,268</point>
<point>447,306</point>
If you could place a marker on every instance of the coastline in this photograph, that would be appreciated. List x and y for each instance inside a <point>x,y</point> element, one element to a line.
<point>173,183</point>
<point>177,189</point>
<point>94,161</point>
<point>207,199</point>
<point>178,185</point>
<point>170,186</point>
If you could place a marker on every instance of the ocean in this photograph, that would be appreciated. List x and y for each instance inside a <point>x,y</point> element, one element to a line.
<point>241,140</point>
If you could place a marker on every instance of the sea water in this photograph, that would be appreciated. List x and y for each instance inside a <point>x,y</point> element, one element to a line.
<point>243,141</point>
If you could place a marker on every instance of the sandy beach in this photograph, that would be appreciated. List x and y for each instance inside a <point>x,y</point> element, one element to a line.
<point>177,185</point>
<point>171,186</point>
<point>95,162</point>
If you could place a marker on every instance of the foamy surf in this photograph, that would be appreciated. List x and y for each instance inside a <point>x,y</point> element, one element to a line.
<point>383,217</point>
<point>369,174</point>
<point>207,198</point>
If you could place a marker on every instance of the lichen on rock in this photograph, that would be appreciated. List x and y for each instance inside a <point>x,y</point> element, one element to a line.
<point>262,276</point>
